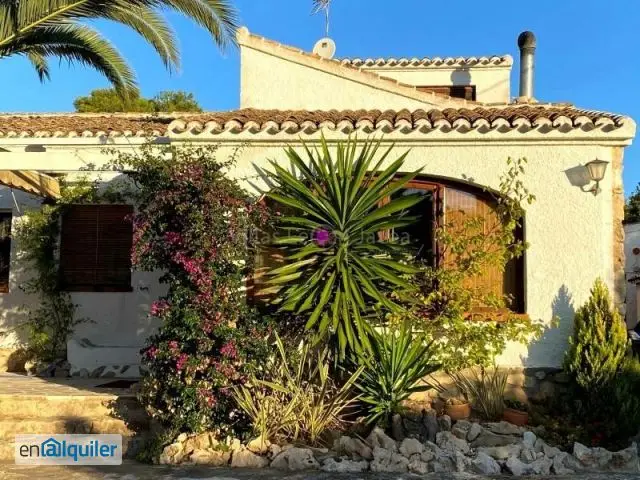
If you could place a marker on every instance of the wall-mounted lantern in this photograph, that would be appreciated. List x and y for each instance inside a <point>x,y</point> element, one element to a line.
<point>596,169</point>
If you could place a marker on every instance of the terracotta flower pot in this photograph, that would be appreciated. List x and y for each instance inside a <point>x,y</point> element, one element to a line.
<point>516,417</point>
<point>458,412</point>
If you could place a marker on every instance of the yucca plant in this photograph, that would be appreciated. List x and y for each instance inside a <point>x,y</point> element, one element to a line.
<point>41,29</point>
<point>394,368</point>
<point>336,266</point>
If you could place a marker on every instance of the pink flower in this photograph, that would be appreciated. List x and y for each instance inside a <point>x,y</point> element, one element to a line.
<point>229,350</point>
<point>208,397</point>
<point>173,346</point>
<point>173,238</point>
<point>159,308</point>
<point>182,360</point>
<point>151,352</point>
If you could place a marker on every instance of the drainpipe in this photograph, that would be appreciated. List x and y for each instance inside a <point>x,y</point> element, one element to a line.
<point>527,45</point>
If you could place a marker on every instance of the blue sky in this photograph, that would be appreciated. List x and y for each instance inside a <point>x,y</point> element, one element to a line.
<point>588,51</point>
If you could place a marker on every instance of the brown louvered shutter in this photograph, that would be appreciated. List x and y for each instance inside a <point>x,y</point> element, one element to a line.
<point>95,248</point>
<point>460,206</point>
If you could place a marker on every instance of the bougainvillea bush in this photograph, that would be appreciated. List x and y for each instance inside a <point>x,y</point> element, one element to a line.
<point>195,224</point>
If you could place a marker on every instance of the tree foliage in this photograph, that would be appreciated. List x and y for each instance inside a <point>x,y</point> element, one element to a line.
<point>107,100</point>
<point>599,342</point>
<point>632,207</point>
<point>43,29</point>
<point>336,268</point>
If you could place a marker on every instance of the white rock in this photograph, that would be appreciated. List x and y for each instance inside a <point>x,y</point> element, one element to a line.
<point>387,461</point>
<point>559,466</point>
<point>450,443</point>
<point>181,438</point>
<point>529,439</point>
<point>236,445</point>
<point>295,459</point>
<point>442,464</point>
<point>491,439</point>
<point>377,438</point>
<point>517,468</point>
<point>418,466</point>
<point>505,428</point>
<point>528,455</point>
<point>247,459</point>
<point>591,457</point>
<point>344,466</point>
<point>274,450</point>
<point>172,454</point>
<point>474,432</point>
<point>444,422</point>
<point>259,445</point>
<point>502,453</point>
<point>353,447</point>
<point>210,457</point>
<point>625,460</point>
<point>461,428</point>
<point>411,446</point>
<point>485,465</point>
<point>461,462</point>
<point>542,466</point>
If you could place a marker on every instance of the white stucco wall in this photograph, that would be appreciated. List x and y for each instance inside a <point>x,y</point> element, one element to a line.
<point>570,231</point>
<point>492,83</point>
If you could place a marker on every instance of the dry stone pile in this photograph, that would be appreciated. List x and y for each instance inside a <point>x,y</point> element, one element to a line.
<point>487,449</point>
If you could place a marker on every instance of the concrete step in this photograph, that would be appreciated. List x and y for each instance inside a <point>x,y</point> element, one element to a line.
<point>10,427</point>
<point>92,406</point>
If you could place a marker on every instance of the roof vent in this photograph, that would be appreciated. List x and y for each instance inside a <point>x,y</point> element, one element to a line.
<point>325,48</point>
<point>527,45</point>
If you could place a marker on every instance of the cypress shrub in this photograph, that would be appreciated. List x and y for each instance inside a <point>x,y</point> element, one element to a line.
<point>598,345</point>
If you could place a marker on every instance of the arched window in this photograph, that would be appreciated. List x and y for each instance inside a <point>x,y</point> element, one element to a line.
<point>450,205</point>
<point>446,203</point>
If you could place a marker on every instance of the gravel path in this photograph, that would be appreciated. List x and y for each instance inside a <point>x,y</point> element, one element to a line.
<point>136,471</point>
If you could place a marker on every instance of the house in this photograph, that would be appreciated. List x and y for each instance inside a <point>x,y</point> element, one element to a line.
<point>455,114</point>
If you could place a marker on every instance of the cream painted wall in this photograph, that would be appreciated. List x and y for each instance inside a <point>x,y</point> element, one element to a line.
<point>270,82</point>
<point>492,83</point>
<point>570,232</point>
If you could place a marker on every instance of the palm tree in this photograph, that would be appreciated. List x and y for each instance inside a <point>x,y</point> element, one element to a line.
<point>41,29</point>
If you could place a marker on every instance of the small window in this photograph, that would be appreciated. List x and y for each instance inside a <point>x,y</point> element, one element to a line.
<point>5,250</point>
<point>95,248</point>
<point>466,92</point>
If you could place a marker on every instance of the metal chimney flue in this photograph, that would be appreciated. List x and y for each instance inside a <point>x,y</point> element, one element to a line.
<point>527,45</point>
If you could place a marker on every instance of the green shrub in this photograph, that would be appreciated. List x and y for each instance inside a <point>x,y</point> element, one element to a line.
<point>394,368</point>
<point>516,404</point>
<point>300,401</point>
<point>625,404</point>
<point>485,389</point>
<point>336,266</point>
<point>598,345</point>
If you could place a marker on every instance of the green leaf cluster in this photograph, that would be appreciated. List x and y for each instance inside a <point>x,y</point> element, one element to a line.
<point>337,268</point>
<point>394,368</point>
<point>107,100</point>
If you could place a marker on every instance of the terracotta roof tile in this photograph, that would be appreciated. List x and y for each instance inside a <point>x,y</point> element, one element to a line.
<point>426,62</point>
<point>131,125</point>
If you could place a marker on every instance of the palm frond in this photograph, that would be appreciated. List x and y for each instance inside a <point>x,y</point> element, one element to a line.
<point>40,63</point>
<point>77,44</point>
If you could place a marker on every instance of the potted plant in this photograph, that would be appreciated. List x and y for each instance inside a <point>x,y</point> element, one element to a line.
<point>458,408</point>
<point>515,412</point>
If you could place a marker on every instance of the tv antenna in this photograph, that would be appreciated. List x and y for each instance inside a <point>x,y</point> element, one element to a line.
<point>323,6</point>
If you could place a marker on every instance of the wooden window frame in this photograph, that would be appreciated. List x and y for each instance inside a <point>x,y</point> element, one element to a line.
<point>438,187</point>
<point>98,286</point>
<point>466,92</point>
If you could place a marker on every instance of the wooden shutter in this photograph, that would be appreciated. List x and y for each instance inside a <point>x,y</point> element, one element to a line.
<point>467,92</point>
<point>461,205</point>
<point>95,248</point>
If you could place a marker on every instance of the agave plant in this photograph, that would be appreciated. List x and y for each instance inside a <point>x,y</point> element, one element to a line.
<point>395,368</point>
<point>336,266</point>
